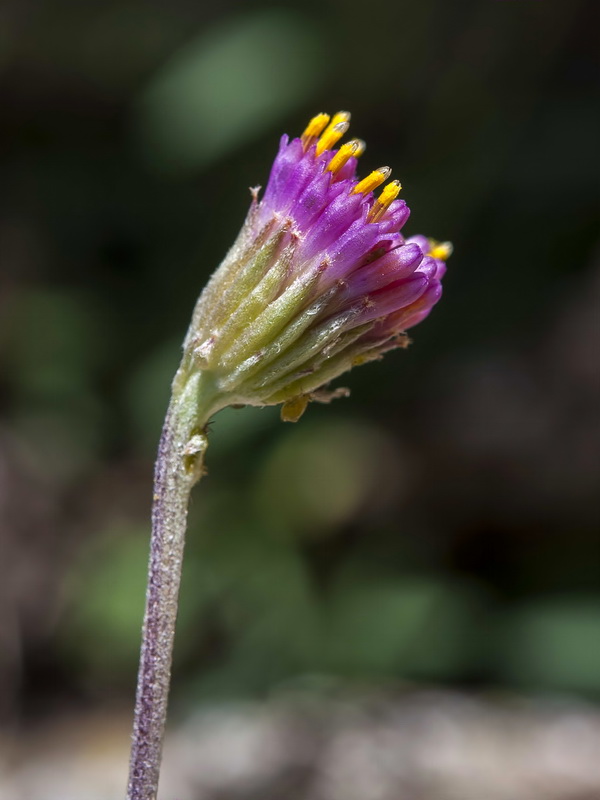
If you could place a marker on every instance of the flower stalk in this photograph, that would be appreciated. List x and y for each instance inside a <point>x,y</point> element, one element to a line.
<point>179,466</point>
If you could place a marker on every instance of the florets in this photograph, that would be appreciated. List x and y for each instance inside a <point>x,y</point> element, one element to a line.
<point>320,279</point>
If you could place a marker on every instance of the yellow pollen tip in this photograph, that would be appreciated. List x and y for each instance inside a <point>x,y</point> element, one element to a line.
<point>384,201</point>
<point>314,129</point>
<point>331,137</point>
<point>361,147</point>
<point>340,116</point>
<point>345,152</point>
<point>372,181</point>
<point>441,250</point>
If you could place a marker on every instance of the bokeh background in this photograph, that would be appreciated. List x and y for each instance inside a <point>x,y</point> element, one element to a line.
<point>427,549</point>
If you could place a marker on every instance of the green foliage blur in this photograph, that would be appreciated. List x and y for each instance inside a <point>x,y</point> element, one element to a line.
<point>441,525</point>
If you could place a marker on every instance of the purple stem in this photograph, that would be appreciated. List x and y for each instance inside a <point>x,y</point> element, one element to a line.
<point>178,467</point>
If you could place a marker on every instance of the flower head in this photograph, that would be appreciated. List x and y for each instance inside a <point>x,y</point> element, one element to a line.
<point>320,278</point>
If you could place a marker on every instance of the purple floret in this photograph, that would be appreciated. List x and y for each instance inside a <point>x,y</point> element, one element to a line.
<point>394,279</point>
<point>320,279</point>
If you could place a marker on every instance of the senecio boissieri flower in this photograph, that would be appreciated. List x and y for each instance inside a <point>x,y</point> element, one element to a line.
<point>319,280</point>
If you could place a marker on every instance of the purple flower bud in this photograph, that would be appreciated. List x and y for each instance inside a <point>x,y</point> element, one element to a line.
<point>320,278</point>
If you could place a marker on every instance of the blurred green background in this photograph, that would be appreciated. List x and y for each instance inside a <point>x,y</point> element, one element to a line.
<point>438,527</point>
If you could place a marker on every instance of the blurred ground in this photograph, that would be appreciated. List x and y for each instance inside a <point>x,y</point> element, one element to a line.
<point>439,526</point>
<point>427,746</point>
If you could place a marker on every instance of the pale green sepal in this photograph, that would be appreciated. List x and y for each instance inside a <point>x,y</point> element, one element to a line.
<point>271,322</point>
<point>287,337</point>
<point>308,346</point>
<point>311,383</point>
<point>256,302</point>
<point>308,377</point>
<point>308,381</point>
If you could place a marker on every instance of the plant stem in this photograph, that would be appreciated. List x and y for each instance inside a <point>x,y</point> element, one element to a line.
<point>178,468</point>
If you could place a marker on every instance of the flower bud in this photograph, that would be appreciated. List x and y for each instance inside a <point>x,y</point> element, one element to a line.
<point>319,280</point>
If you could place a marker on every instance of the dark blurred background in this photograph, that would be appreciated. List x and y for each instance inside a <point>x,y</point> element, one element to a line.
<point>437,530</point>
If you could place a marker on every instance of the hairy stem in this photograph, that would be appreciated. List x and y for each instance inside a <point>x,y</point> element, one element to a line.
<point>178,467</point>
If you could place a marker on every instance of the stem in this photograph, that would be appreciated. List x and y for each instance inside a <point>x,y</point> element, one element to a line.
<point>178,468</point>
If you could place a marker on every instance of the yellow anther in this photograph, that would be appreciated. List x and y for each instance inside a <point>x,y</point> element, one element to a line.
<point>372,181</point>
<point>314,129</point>
<point>340,116</point>
<point>361,147</point>
<point>384,201</point>
<point>334,131</point>
<point>345,152</point>
<point>441,250</point>
<point>331,137</point>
